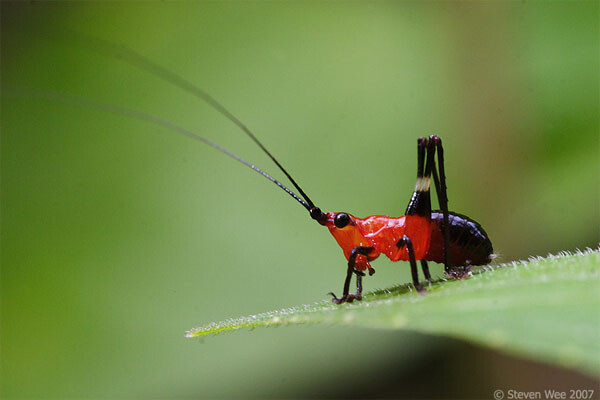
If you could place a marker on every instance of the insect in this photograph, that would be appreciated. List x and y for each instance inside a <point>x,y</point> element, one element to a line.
<point>419,235</point>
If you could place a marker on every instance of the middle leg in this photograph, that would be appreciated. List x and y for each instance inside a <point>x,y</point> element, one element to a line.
<point>405,241</point>
<point>425,269</point>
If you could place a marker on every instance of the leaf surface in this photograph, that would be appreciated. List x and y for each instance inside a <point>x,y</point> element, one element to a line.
<point>547,309</point>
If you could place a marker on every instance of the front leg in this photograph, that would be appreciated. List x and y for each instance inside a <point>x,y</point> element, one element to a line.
<point>346,297</point>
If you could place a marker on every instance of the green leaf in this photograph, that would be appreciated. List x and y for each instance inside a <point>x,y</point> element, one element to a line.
<point>547,309</point>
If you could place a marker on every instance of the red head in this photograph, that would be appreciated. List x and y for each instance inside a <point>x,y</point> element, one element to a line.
<point>377,231</point>
<point>350,232</point>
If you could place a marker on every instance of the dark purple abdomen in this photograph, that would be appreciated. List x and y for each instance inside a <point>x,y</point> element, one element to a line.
<point>469,244</point>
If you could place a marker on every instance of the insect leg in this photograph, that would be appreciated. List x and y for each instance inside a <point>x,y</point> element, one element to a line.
<point>425,269</point>
<point>405,241</point>
<point>362,250</point>
<point>440,187</point>
<point>420,202</point>
<point>359,275</point>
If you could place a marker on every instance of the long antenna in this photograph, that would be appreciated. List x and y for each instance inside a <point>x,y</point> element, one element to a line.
<point>135,59</point>
<point>82,101</point>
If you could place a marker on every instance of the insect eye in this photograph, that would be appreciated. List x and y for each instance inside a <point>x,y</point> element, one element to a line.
<point>341,220</point>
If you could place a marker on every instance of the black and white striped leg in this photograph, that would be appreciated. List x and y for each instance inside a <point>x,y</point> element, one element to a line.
<point>420,202</point>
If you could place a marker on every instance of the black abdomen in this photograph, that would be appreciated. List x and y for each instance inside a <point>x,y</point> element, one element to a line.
<point>469,244</point>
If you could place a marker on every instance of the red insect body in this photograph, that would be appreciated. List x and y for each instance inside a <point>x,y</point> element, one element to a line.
<point>382,233</point>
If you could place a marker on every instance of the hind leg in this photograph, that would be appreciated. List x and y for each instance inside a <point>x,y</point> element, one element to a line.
<point>439,178</point>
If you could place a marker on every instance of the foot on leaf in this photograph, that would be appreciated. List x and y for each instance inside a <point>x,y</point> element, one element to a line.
<point>459,272</point>
<point>349,298</point>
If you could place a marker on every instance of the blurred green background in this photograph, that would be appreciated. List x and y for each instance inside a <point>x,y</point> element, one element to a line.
<point>118,235</point>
